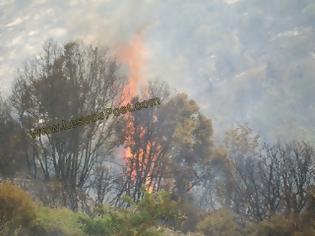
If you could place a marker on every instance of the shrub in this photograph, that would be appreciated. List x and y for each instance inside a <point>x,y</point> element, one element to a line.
<point>56,222</point>
<point>141,219</point>
<point>16,209</point>
<point>220,222</point>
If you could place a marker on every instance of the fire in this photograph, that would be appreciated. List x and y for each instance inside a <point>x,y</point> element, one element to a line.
<point>132,54</point>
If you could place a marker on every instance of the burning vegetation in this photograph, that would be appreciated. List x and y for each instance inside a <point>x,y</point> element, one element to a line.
<point>167,172</point>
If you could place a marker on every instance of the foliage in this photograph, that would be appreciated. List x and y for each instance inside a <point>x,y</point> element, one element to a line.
<point>219,222</point>
<point>283,225</point>
<point>16,209</point>
<point>190,139</point>
<point>56,221</point>
<point>11,146</point>
<point>66,82</point>
<point>141,219</point>
<point>19,215</point>
<point>264,180</point>
<point>276,225</point>
<point>241,141</point>
<point>168,146</point>
<point>268,188</point>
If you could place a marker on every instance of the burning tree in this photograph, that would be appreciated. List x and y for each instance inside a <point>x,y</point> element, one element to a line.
<point>165,147</point>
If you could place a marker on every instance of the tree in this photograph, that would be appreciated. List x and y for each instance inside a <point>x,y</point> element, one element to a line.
<point>275,180</point>
<point>297,175</point>
<point>145,147</point>
<point>237,188</point>
<point>64,83</point>
<point>166,145</point>
<point>12,162</point>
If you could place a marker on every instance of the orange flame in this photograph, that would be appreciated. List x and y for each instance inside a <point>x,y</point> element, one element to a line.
<point>132,55</point>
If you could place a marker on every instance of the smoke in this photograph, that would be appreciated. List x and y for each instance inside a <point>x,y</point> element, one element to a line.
<point>124,32</point>
<point>205,48</point>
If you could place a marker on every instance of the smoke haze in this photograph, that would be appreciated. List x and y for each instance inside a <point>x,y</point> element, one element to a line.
<point>242,61</point>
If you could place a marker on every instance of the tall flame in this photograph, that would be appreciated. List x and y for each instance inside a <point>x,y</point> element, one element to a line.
<point>132,55</point>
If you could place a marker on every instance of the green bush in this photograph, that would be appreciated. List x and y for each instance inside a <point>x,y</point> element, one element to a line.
<point>56,222</point>
<point>141,219</point>
<point>20,216</point>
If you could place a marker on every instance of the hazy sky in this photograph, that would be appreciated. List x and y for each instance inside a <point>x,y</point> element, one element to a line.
<point>193,45</point>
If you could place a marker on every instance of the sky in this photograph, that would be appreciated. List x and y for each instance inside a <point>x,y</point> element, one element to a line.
<point>195,46</point>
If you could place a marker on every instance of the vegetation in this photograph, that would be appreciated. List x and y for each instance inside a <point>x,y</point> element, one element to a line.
<point>142,218</point>
<point>21,216</point>
<point>16,208</point>
<point>164,170</point>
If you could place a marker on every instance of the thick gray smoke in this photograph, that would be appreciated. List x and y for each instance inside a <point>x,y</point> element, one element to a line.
<point>243,61</point>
